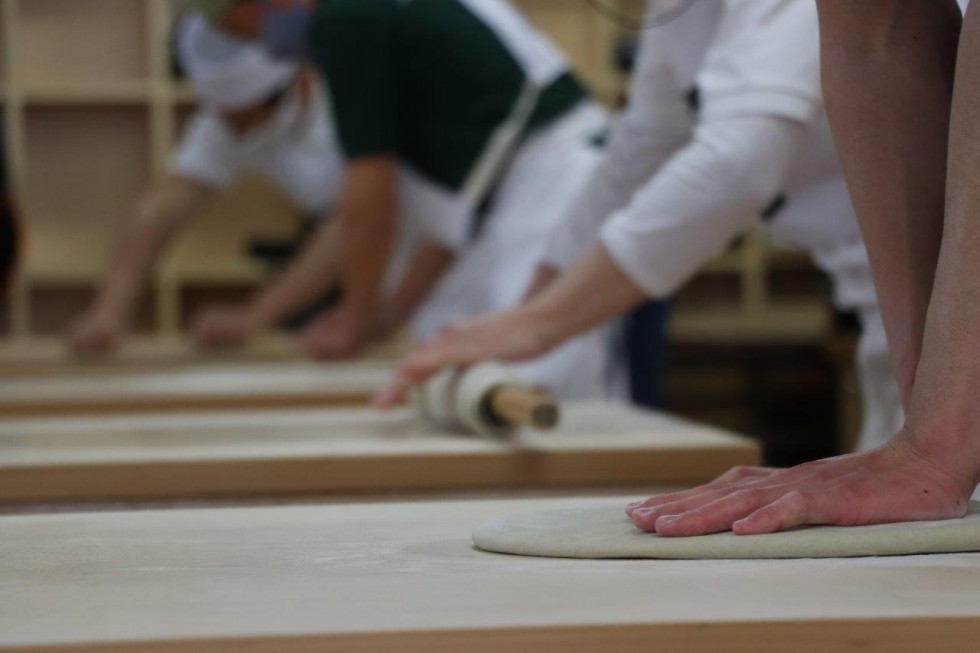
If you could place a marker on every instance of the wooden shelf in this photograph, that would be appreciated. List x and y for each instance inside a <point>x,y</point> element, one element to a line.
<point>806,321</point>
<point>86,93</point>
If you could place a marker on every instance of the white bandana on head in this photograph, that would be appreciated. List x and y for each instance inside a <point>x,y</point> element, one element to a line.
<point>228,74</point>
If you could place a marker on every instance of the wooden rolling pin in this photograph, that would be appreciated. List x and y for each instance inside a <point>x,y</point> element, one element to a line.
<point>519,406</point>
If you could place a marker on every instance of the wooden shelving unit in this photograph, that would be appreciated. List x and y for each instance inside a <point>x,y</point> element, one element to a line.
<point>755,313</point>
<point>91,115</point>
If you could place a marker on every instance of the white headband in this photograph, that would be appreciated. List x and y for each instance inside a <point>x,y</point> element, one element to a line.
<point>228,74</point>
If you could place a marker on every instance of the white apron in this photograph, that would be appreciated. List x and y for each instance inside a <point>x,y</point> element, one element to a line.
<point>492,274</point>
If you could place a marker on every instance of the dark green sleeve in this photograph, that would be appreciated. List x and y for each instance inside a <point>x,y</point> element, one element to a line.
<point>353,45</point>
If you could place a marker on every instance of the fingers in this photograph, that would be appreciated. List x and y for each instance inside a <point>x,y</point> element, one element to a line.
<point>747,511</point>
<point>646,517</point>
<point>464,343</point>
<point>718,515</point>
<point>789,511</point>
<point>413,370</point>
<point>451,348</point>
<point>729,480</point>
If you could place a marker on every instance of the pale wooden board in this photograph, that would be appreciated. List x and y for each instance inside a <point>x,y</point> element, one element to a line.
<point>211,387</point>
<point>52,356</point>
<point>347,451</point>
<point>405,577</point>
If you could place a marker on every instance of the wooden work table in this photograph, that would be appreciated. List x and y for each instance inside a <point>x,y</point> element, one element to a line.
<point>216,386</point>
<point>346,452</point>
<point>52,356</point>
<point>406,577</point>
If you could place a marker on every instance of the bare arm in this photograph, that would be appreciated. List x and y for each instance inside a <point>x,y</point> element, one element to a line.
<point>315,270</point>
<point>889,87</point>
<point>161,213</point>
<point>368,228</point>
<point>888,71</point>
<point>429,263</point>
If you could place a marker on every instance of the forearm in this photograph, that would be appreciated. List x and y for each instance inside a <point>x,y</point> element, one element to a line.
<point>161,213</point>
<point>944,413</point>
<point>888,76</point>
<point>315,271</point>
<point>368,230</point>
<point>544,276</point>
<point>428,265</point>
<point>586,295</point>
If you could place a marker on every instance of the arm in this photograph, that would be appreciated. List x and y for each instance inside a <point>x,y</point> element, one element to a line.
<point>368,228</point>
<point>162,211</point>
<point>315,270</point>
<point>888,70</point>
<point>701,198</point>
<point>655,125</point>
<point>867,90</point>
<point>429,263</point>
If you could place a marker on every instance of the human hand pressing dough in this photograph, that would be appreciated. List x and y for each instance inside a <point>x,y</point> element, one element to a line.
<point>895,483</point>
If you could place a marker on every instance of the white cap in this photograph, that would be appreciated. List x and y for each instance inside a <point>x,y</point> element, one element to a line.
<point>226,73</point>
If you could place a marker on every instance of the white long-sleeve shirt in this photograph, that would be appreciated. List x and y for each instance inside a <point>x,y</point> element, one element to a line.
<point>678,183</point>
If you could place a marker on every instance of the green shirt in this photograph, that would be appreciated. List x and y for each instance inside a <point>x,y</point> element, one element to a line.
<point>426,81</point>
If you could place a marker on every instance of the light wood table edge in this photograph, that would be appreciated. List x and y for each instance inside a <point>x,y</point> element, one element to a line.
<point>888,635</point>
<point>207,402</point>
<point>358,474</point>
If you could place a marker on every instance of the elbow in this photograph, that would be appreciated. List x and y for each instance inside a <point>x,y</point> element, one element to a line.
<point>748,174</point>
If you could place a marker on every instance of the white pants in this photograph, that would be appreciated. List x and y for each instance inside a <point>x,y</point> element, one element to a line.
<point>493,273</point>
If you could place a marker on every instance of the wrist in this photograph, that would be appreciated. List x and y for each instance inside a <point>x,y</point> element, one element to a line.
<point>113,308</point>
<point>545,325</point>
<point>952,449</point>
<point>262,314</point>
<point>358,313</point>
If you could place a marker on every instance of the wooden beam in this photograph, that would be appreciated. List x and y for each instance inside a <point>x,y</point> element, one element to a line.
<point>241,386</point>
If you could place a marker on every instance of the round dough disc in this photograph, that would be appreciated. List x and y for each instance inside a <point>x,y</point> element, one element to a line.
<point>607,533</point>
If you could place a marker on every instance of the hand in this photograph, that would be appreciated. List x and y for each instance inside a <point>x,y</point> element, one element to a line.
<point>98,332</point>
<point>894,483</point>
<point>224,326</point>
<point>337,335</point>
<point>514,335</point>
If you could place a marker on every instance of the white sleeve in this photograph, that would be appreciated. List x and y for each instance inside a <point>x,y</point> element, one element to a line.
<point>205,153</point>
<point>703,197</point>
<point>657,122</point>
<point>764,60</point>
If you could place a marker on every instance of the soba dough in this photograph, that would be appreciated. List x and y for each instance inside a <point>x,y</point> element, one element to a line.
<point>607,533</point>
